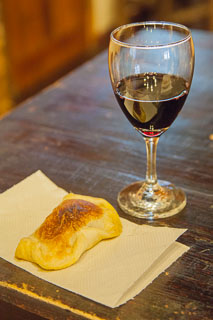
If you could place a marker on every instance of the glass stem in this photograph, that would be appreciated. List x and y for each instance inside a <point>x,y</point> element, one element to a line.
<point>151,149</point>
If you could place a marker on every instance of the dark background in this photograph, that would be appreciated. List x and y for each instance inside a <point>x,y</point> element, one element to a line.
<point>42,40</point>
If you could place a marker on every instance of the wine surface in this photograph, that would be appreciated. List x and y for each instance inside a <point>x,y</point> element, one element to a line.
<point>151,101</point>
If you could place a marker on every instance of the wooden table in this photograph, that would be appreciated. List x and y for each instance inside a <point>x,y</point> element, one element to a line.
<point>76,134</point>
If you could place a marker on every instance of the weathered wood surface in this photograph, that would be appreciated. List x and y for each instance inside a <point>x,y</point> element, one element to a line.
<point>76,134</point>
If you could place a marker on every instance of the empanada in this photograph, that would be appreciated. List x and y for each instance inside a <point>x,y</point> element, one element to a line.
<point>73,227</point>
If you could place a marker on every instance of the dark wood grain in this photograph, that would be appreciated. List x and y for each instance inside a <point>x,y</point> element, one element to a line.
<point>75,133</point>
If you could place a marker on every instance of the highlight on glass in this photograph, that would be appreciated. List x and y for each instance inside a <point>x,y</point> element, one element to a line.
<point>151,68</point>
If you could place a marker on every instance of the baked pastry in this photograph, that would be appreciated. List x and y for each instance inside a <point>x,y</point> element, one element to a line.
<point>73,227</point>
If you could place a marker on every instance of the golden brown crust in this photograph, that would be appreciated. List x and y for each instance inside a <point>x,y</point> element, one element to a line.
<point>73,227</point>
<point>71,214</point>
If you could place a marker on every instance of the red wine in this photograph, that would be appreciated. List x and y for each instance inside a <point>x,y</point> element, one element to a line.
<point>151,101</point>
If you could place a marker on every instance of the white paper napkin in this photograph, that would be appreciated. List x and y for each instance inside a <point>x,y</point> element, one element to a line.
<point>112,272</point>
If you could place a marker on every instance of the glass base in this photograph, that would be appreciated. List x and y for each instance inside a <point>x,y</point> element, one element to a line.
<point>148,201</point>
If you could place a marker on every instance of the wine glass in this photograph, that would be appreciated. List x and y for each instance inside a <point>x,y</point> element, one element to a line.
<point>151,67</point>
